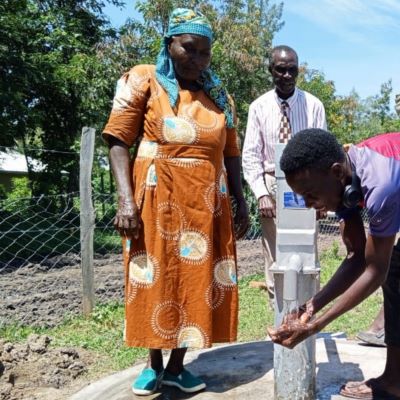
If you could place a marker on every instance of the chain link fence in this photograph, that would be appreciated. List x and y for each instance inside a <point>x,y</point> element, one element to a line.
<point>40,272</point>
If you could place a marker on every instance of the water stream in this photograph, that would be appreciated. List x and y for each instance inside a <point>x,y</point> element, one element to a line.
<point>294,378</point>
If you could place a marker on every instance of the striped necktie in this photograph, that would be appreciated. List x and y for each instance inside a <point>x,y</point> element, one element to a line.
<point>285,131</point>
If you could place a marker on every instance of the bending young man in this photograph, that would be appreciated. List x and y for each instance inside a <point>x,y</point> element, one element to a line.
<point>316,167</point>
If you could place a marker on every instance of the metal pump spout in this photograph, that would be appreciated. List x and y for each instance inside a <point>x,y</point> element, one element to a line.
<point>290,278</point>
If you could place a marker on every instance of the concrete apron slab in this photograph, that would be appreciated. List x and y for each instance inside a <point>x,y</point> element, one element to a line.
<point>245,371</point>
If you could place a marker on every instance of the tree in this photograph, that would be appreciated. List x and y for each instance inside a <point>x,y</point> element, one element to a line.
<point>15,71</point>
<point>350,118</point>
<point>60,60</point>
<point>375,115</point>
<point>243,33</point>
<point>52,79</point>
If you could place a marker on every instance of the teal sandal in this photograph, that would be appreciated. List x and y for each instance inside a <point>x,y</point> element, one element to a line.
<point>147,382</point>
<point>185,381</point>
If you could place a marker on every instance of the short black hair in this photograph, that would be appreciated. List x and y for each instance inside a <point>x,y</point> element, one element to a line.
<point>311,148</point>
<point>279,49</point>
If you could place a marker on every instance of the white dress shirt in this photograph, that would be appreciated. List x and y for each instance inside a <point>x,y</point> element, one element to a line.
<point>263,123</point>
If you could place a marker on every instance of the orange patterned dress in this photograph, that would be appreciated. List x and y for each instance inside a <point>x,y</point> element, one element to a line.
<point>181,274</point>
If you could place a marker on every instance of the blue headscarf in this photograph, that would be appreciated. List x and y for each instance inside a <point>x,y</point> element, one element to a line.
<point>183,20</point>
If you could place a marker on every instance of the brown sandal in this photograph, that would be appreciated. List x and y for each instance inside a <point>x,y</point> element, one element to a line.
<point>367,390</point>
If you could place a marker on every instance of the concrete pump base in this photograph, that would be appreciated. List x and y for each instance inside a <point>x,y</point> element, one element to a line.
<point>245,371</point>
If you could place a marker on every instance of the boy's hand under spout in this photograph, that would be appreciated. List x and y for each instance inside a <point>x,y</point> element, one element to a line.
<point>291,334</point>
<point>295,328</point>
<point>304,313</point>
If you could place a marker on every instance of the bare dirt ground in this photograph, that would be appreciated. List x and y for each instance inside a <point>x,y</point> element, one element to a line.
<point>33,371</point>
<point>43,295</point>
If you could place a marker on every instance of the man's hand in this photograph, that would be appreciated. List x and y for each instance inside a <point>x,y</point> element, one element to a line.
<point>241,219</point>
<point>126,220</point>
<point>303,314</point>
<point>296,326</point>
<point>291,334</point>
<point>267,207</point>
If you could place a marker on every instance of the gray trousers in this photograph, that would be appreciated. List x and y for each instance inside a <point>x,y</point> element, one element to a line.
<point>268,227</point>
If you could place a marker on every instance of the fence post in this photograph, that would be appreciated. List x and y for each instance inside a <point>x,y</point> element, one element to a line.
<point>87,217</point>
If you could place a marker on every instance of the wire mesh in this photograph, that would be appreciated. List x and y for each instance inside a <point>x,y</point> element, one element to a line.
<point>41,281</point>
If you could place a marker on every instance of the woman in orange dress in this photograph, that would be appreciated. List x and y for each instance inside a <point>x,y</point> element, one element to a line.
<point>174,209</point>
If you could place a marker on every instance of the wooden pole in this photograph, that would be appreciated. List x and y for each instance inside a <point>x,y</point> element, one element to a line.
<point>87,217</point>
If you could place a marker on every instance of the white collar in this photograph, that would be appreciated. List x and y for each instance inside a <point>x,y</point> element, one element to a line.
<point>290,100</point>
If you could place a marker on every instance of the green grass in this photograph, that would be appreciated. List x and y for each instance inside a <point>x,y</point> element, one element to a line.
<point>255,314</point>
<point>101,333</point>
<point>360,317</point>
<point>107,241</point>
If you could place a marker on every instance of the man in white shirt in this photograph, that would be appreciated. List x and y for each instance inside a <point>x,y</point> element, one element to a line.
<point>302,110</point>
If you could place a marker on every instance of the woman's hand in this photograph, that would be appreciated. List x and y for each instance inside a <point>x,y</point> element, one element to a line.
<point>126,221</point>
<point>241,219</point>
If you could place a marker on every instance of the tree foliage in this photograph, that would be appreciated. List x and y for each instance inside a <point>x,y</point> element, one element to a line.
<point>243,33</point>
<point>60,60</point>
<point>52,82</point>
<point>350,118</point>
